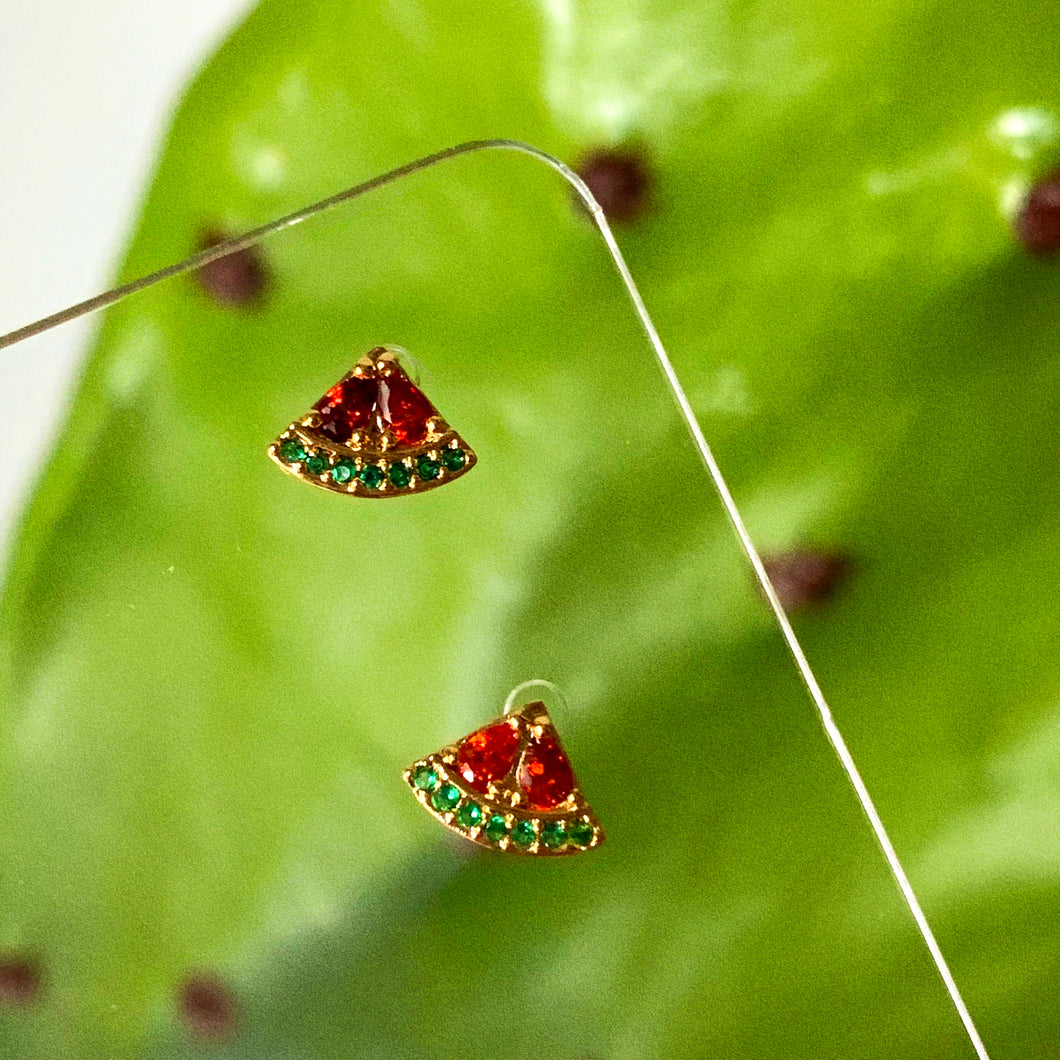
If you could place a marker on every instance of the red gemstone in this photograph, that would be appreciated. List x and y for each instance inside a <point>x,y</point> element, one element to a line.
<point>347,407</point>
<point>351,406</point>
<point>487,756</point>
<point>545,773</point>
<point>404,408</point>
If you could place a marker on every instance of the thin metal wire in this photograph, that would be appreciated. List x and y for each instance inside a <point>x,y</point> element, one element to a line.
<point>831,729</point>
<point>516,696</point>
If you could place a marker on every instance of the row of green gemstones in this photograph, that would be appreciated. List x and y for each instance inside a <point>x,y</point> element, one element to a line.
<point>446,797</point>
<point>372,475</point>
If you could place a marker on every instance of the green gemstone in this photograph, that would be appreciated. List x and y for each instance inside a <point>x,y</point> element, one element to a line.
<point>427,468</point>
<point>554,834</point>
<point>292,451</point>
<point>454,459</point>
<point>581,834</point>
<point>372,476</point>
<point>496,828</point>
<point>445,798</point>
<point>523,833</point>
<point>425,778</point>
<point>400,475</point>
<point>469,815</point>
<point>342,472</point>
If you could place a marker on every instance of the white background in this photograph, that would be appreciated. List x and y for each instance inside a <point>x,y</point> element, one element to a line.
<point>85,94</point>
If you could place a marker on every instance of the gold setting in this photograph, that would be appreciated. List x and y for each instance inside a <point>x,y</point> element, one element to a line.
<point>505,799</point>
<point>345,468</point>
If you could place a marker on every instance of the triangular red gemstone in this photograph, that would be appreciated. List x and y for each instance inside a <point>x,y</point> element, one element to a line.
<point>404,408</point>
<point>350,406</point>
<point>347,407</point>
<point>488,755</point>
<point>545,773</point>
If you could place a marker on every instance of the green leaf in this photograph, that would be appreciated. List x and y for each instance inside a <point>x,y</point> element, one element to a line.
<point>211,676</point>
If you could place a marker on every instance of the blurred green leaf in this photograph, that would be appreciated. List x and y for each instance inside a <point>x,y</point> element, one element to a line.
<point>212,676</point>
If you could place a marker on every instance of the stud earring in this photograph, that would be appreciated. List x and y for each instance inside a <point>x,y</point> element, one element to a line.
<point>373,434</point>
<point>509,785</point>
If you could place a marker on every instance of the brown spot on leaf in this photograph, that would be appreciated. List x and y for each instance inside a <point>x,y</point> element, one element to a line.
<point>1037,224</point>
<point>620,181</point>
<point>20,980</point>
<point>208,1007</point>
<point>237,280</point>
<point>804,577</point>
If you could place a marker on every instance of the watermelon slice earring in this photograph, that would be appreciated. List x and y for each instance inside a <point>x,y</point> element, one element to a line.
<point>373,434</point>
<point>509,786</point>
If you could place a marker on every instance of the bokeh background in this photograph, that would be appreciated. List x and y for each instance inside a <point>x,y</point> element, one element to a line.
<point>85,92</point>
<point>211,676</point>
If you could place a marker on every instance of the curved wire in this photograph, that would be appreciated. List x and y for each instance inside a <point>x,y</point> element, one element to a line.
<point>515,696</point>
<point>806,673</point>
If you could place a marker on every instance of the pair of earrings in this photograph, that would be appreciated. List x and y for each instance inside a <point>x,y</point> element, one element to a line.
<point>508,785</point>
